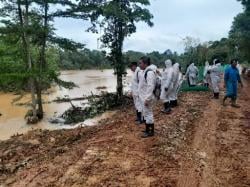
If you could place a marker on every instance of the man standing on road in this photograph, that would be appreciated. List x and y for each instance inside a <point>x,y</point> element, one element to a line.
<point>231,78</point>
<point>137,73</point>
<point>146,89</point>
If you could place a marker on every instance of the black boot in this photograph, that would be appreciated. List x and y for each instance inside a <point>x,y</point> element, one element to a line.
<point>146,132</point>
<point>149,131</point>
<point>216,95</point>
<point>174,103</point>
<point>152,130</point>
<point>167,108</point>
<point>139,117</point>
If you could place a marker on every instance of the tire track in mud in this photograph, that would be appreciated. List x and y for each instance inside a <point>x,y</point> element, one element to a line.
<point>200,144</point>
<point>219,155</point>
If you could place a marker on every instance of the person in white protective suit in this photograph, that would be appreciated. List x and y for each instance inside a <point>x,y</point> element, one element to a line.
<point>146,89</point>
<point>215,73</point>
<point>137,73</point>
<point>239,67</point>
<point>167,86</point>
<point>206,75</point>
<point>192,74</point>
<point>177,81</point>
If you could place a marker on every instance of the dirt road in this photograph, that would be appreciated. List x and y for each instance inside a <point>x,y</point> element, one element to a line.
<point>201,144</point>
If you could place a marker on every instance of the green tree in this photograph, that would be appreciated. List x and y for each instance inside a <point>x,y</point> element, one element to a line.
<point>29,25</point>
<point>240,34</point>
<point>118,19</point>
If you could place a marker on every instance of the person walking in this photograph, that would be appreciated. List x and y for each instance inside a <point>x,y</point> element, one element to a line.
<point>146,88</point>
<point>231,80</point>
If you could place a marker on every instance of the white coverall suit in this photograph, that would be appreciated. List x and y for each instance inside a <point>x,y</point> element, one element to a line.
<point>146,89</point>
<point>167,82</point>
<point>192,73</point>
<point>135,88</point>
<point>215,77</point>
<point>206,76</point>
<point>177,80</point>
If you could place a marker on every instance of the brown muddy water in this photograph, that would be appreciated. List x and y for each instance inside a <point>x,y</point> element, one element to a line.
<point>12,120</point>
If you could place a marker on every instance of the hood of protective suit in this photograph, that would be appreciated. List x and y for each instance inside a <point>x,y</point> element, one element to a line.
<point>153,67</point>
<point>176,67</point>
<point>168,63</point>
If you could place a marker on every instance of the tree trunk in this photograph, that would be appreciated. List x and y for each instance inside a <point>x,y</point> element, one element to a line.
<point>42,62</point>
<point>119,87</point>
<point>39,100</point>
<point>119,58</point>
<point>24,22</point>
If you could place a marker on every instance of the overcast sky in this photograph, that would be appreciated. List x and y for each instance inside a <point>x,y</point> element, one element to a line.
<point>173,20</point>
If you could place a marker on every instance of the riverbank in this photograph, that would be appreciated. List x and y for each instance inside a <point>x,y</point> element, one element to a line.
<point>201,144</point>
<point>89,83</point>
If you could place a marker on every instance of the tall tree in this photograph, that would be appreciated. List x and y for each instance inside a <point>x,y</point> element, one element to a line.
<point>240,31</point>
<point>118,19</point>
<point>31,24</point>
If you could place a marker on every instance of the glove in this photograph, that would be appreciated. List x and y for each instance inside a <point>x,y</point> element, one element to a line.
<point>166,89</point>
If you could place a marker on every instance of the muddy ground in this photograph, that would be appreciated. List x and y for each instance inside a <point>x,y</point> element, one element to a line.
<point>201,144</point>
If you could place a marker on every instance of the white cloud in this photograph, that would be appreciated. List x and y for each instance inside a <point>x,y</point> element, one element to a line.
<point>173,19</point>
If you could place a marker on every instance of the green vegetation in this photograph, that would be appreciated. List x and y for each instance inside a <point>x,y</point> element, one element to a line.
<point>27,43</point>
<point>97,105</point>
<point>31,55</point>
<point>118,19</point>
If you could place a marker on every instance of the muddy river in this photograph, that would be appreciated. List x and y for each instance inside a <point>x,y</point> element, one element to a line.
<point>12,119</point>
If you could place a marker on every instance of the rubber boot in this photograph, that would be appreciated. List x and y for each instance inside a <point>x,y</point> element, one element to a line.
<point>149,132</point>
<point>216,95</point>
<point>174,103</point>
<point>137,116</point>
<point>146,132</point>
<point>152,129</point>
<point>167,108</point>
<point>234,103</point>
<point>140,120</point>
